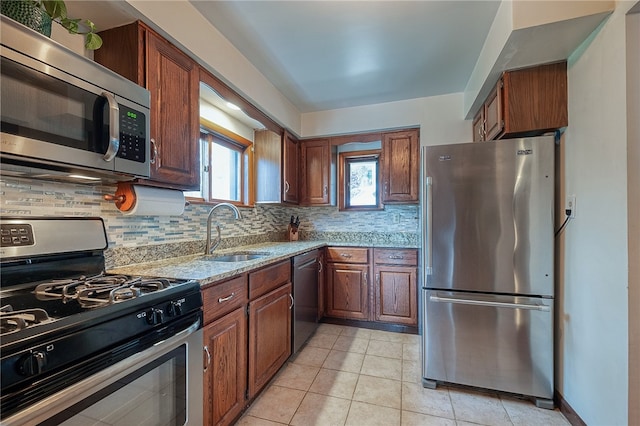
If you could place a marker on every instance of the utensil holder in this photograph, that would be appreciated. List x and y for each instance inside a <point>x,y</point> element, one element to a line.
<point>292,233</point>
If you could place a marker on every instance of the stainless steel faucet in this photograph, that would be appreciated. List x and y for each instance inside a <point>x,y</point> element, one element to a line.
<point>211,247</point>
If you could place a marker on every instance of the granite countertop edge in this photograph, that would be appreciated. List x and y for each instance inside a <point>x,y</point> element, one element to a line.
<point>206,271</point>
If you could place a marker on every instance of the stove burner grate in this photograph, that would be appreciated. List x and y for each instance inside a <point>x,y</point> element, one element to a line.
<point>99,290</point>
<point>12,321</point>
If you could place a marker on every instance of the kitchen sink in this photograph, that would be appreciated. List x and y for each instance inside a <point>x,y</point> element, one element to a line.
<point>237,257</point>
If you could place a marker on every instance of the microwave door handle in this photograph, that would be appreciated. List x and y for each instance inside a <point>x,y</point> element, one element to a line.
<point>114,127</point>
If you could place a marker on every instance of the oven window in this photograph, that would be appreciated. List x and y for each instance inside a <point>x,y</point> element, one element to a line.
<point>156,394</point>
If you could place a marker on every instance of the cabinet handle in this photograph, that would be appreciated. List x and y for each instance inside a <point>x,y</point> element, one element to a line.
<point>377,279</point>
<point>224,299</point>
<point>206,351</point>
<point>396,256</point>
<point>154,151</point>
<point>320,267</point>
<point>326,190</point>
<point>364,281</point>
<point>347,255</point>
<point>291,297</point>
<point>286,186</point>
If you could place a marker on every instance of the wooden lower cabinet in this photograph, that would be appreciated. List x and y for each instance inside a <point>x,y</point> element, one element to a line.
<point>347,291</point>
<point>396,285</point>
<point>396,295</point>
<point>269,336</point>
<point>226,373</point>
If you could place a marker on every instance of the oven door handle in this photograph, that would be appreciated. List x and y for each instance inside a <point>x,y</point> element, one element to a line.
<point>56,403</point>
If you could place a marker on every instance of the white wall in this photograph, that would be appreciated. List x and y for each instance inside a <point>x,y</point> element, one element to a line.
<point>440,119</point>
<point>593,342</point>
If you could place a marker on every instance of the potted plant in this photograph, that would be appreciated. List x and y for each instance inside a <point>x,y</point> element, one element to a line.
<point>38,14</point>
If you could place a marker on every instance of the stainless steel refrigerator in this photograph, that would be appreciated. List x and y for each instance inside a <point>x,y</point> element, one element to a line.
<point>487,266</point>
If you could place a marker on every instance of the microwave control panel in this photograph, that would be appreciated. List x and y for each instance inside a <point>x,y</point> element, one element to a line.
<point>132,135</point>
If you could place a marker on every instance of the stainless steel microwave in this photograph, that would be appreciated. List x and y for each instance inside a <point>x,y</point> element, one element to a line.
<point>65,116</point>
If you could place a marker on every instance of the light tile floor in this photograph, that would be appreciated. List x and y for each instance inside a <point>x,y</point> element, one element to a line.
<point>354,376</point>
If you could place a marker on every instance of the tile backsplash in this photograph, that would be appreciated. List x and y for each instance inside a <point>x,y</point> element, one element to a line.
<point>31,197</point>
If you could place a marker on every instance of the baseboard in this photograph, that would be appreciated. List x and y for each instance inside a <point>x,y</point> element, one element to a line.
<point>568,412</point>
<point>372,325</point>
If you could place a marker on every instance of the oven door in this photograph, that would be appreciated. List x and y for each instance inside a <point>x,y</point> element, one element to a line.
<point>160,385</point>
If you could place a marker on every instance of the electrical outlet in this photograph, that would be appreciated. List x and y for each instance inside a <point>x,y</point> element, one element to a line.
<point>571,205</point>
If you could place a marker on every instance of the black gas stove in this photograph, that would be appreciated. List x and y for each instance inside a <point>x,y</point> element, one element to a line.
<point>62,318</point>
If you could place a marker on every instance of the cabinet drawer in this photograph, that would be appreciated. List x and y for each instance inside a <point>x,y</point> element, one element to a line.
<point>266,279</point>
<point>408,257</point>
<point>348,254</point>
<point>222,298</point>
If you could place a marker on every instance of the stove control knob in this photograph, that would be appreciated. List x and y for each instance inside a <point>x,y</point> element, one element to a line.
<point>174,309</point>
<point>155,316</point>
<point>32,363</point>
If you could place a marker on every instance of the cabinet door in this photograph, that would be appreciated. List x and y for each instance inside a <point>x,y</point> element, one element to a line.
<point>400,166</point>
<point>290,159</point>
<point>494,122</point>
<point>396,295</point>
<point>226,374</point>
<point>315,157</point>
<point>347,291</point>
<point>269,336</point>
<point>478,126</point>
<point>173,80</point>
<point>322,292</point>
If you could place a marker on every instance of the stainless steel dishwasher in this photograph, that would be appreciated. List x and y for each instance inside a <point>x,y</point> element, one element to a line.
<point>305,293</point>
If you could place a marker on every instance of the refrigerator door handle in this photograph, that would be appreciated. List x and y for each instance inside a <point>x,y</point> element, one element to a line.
<point>441,299</point>
<point>427,221</point>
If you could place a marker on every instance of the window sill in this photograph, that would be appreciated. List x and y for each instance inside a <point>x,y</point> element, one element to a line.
<point>200,201</point>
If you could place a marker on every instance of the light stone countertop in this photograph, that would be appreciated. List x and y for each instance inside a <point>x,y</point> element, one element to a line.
<point>203,269</point>
<point>206,271</point>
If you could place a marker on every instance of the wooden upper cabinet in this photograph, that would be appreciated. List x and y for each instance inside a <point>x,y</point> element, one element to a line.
<point>290,164</point>
<point>276,159</point>
<point>478,126</point>
<point>268,166</point>
<point>315,160</point>
<point>488,122</point>
<point>139,54</point>
<point>493,121</point>
<point>525,102</point>
<point>400,166</point>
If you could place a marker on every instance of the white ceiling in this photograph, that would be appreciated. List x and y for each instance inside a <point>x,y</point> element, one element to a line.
<point>334,54</point>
